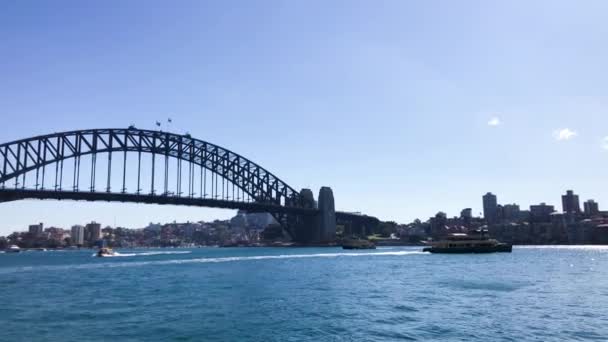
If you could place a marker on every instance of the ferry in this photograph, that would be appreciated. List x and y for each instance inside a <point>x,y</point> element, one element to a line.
<point>13,249</point>
<point>105,252</point>
<point>465,243</point>
<point>357,244</point>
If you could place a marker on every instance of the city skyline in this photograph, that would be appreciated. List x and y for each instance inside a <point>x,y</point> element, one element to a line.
<point>403,110</point>
<point>494,212</point>
<point>541,224</point>
<point>585,206</point>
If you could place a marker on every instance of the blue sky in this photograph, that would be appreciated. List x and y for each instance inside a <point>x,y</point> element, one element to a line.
<point>404,108</point>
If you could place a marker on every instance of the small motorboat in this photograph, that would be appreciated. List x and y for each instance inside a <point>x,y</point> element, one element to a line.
<point>105,252</point>
<point>13,249</point>
<point>358,244</point>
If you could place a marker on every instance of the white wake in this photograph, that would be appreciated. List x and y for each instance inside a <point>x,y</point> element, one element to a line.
<point>118,254</point>
<point>207,260</point>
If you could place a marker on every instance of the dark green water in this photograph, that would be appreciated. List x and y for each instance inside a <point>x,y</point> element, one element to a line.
<point>305,294</point>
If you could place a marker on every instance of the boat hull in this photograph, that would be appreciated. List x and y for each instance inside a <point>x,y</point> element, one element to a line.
<point>13,249</point>
<point>467,250</point>
<point>105,252</point>
<point>357,244</point>
<point>358,247</point>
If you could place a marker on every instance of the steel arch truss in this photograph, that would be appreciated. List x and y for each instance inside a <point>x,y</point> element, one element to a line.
<point>34,155</point>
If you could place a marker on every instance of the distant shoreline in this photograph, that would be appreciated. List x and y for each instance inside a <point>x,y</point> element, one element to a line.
<point>282,246</point>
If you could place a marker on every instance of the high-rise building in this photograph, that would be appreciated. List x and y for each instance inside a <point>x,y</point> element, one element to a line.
<point>570,203</point>
<point>78,235</point>
<point>511,212</point>
<point>541,212</point>
<point>36,229</point>
<point>591,208</point>
<point>490,207</point>
<point>466,213</point>
<point>93,231</point>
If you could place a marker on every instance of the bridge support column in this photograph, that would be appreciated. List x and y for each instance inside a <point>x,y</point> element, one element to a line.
<point>306,226</point>
<point>327,215</point>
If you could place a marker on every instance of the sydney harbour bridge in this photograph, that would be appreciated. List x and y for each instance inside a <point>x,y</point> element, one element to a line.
<point>156,167</point>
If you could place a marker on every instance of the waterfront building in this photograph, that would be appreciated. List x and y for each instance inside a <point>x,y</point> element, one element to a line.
<point>570,203</point>
<point>558,219</point>
<point>36,229</point>
<point>591,208</point>
<point>438,224</point>
<point>93,231</point>
<point>153,227</point>
<point>490,207</point>
<point>499,213</point>
<point>524,215</point>
<point>78,235</point>
<point>466,215</point>
<point>54,233</point>
<point>541,212</point>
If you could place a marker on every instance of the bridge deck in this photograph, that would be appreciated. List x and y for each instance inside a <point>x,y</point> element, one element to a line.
<point>19,194</point>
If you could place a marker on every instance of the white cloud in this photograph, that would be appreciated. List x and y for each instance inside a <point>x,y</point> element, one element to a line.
<point>564,134</point>
<point>495,121</point>
<point>605,143</point>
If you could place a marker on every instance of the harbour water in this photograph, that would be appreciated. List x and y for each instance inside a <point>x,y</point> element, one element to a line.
<point>305,294</point>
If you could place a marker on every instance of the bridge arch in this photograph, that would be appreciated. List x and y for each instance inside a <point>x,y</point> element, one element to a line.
<point>35,154</point>
<point>261,191</point>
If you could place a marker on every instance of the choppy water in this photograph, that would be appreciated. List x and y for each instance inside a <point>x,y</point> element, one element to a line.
<point>305,294</point>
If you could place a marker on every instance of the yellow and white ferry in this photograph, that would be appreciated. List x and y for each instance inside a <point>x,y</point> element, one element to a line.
<point>468,243</point>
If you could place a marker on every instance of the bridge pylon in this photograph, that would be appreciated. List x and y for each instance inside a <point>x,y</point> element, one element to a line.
<point>305,225</point>
<point>327,215</point>
<point>320,228</point>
